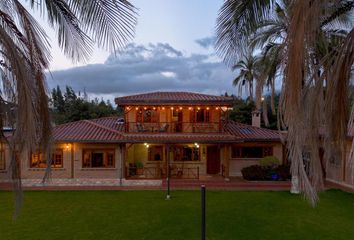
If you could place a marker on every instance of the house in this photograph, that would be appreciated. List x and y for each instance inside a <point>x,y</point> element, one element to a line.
<point>190,131</point>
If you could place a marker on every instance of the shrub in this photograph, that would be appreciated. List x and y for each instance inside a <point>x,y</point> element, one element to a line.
<point>269,162</point>
<point>254,172</point>
<point>283,172</point>
<point>139,164</point>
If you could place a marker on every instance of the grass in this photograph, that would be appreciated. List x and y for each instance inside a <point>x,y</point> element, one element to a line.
<point>147,215</point>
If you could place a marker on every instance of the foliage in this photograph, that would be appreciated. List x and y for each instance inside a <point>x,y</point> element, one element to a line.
<point>309,44</point>
<point>266,173</point>
<point>70,107</point>
<point>269,161</point>
<point>242,112</point>
<point>283,172</point>
<point>139,164</point>
<point>254,172</point>
<point>25,56</point>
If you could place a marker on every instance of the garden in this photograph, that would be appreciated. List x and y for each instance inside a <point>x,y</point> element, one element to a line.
<point>147,215</point>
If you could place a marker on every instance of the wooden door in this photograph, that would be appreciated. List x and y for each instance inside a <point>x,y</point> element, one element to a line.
<point>213,160</point>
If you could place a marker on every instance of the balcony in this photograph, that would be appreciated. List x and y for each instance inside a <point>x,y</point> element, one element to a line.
<point>173,127</point>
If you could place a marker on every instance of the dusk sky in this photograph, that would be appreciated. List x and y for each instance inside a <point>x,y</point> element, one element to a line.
<point>172,51</point>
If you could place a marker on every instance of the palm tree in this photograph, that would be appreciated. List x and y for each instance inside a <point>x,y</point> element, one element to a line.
<point>249,71</point>
<point>311,61</point>
<point>25,55</point>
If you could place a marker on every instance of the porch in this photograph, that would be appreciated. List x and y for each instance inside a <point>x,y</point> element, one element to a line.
<point>181,161</point>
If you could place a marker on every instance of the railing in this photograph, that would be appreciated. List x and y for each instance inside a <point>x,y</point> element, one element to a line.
<point>173,127</point>
<point>176,171</point>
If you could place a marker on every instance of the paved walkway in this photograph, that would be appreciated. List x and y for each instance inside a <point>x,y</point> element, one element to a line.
<point>233,184</point>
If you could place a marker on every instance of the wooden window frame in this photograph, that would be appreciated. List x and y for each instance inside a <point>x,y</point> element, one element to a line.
<point>42,164</point>
<point>105,152</point>
<point>141,113</point>
<point>181,159</point>
<point>267,150</point>
<point>206,116</point>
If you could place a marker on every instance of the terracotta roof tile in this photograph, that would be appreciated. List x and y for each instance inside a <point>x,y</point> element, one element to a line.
<point>86,131</point>
<point>109,130</point>
<point>174,98</point>
<point>250,133</point>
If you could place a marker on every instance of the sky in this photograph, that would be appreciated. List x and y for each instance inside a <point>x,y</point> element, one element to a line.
<point>172,51</point>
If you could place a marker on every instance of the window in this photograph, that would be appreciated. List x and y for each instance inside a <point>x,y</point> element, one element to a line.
<point>185,153</point>
<point>202,115</point>
<point>147,115</point>
<point>155,153</point>
<point>251,152</point>
<point>98,158</point>
<point>38,161</point>
<point>2,157</point>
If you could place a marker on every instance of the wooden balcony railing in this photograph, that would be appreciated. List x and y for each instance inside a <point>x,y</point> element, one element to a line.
<point>173,127</point>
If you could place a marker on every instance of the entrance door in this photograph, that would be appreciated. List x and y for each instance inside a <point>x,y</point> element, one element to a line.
<point>213,160</point>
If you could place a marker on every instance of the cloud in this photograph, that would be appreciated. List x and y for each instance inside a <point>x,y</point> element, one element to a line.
<point>206,42</point>
<point>146,68</point>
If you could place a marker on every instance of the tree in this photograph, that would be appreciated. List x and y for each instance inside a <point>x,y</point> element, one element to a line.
<point>73,108</point>
<point>313,50</point>
<point>249,67</point>
<point>25,55</point>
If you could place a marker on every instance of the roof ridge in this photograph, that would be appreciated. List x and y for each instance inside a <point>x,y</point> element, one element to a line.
<point>103,127</point>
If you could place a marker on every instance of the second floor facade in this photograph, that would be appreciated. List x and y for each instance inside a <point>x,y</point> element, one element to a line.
<point>174,112</point>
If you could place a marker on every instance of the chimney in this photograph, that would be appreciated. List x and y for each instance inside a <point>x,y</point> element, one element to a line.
<point>256,118</point>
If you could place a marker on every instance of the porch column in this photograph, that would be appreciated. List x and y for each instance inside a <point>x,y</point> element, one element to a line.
<point>121,167</point>
<point>227,160</point>
<point>168,196</point>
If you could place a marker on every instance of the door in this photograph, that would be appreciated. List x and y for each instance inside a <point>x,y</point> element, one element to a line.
<point>213,160</point>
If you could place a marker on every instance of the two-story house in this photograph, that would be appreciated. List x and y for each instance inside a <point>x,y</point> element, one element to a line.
<point>188,132</point>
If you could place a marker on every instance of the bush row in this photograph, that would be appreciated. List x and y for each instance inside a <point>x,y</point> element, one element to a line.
<point>266,173</point>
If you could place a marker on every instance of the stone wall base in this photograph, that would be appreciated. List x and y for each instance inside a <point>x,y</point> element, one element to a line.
<point>87,182</point>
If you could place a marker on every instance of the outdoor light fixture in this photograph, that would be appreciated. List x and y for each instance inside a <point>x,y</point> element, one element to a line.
<point>163,108</point>
<point>198,108</point>
<point>180,108</point>
<point>145,144</point>
<point>262,98</point>
<point>67,146</point>
<point>136,108</point>
<point>190,108</point>
<point>217,108</point>
<point>145,108</point>
<point>207,108</point>
<point>171,108</point>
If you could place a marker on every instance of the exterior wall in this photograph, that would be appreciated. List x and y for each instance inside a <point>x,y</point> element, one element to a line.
<point>165,116</point>
<point>341,173</point>
<point>103,173</point>
<point>236,164</point>
<point>73,153</point>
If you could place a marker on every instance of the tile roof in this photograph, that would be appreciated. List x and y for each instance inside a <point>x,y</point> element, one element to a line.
<point>170,98</point>
<point>110,131</point>
<point>250,133</point>
<point>87,131</point>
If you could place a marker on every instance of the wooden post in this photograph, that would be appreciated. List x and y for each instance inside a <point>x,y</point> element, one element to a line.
<point>203,212</point>
<point>168,172</point>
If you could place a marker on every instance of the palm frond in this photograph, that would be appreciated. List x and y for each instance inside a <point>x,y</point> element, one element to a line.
<point>237,21</point>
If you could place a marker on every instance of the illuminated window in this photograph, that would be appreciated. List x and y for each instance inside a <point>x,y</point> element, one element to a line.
<point>38,161</point>
<point>186,153</point>
<point>98,158</point>
<point>202,115</point>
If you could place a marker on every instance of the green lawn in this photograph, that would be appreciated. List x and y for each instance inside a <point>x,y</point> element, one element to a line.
<point>147,215</point>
